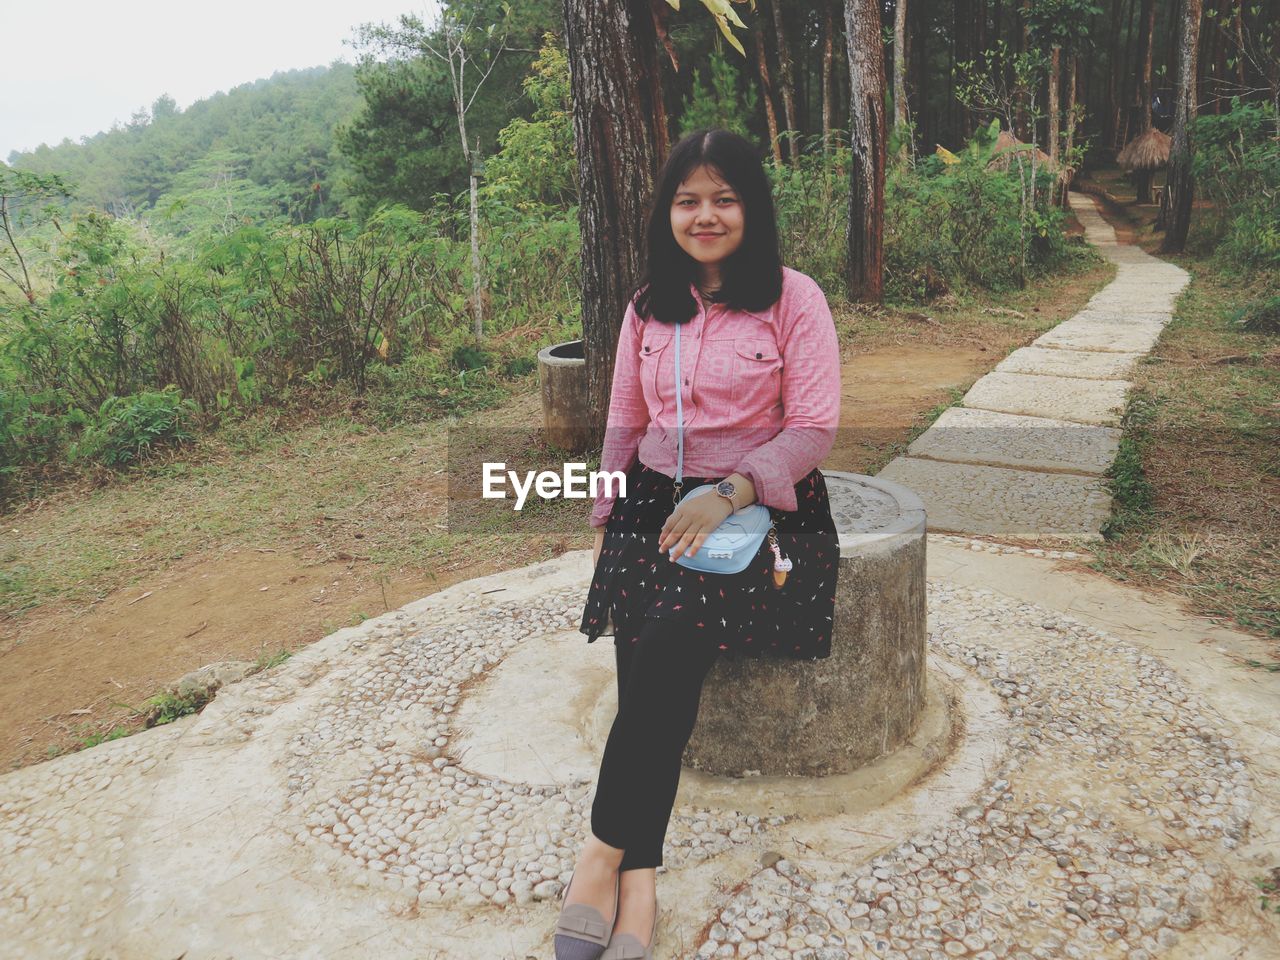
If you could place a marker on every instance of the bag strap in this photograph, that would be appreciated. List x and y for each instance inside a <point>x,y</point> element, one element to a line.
<point>679,423</point>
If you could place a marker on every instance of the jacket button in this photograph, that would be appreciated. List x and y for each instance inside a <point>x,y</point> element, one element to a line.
<point>646,349</point>
<point>759,355</point>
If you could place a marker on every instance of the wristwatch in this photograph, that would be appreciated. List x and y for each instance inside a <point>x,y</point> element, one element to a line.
<point>726,489</point>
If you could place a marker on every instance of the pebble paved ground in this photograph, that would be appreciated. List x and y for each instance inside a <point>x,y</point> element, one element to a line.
<point>1111,792</point>
<point>1030,465</point>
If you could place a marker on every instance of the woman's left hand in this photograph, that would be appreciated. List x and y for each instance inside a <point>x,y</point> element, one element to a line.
<point>692,521</point>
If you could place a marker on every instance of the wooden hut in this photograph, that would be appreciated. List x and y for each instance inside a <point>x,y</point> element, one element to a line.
<point>1007,145</point>
<point>1143,156</point>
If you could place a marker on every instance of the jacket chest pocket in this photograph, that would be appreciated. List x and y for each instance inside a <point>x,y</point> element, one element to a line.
<point>656,361</point>
<point>756,366</point>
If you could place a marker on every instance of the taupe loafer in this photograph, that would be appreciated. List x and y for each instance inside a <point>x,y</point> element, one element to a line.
<point>581,932</point>
<point>626,946</point>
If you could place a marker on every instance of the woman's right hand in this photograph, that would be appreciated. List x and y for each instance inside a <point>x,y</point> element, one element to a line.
<point>595,555</point>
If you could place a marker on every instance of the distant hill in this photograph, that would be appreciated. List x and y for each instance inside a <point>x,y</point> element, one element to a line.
<point>262,149</point>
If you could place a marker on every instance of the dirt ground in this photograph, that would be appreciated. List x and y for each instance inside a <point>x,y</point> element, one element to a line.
<point>69,672</point>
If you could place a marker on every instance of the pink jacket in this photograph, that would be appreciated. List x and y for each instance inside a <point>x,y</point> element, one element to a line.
<point>761,394</point>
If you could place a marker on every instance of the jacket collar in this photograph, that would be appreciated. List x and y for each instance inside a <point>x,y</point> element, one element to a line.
<point>761,315</point>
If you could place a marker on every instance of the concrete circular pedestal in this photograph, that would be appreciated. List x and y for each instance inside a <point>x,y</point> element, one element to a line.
<point>562,381</point>
<point>777,717</point>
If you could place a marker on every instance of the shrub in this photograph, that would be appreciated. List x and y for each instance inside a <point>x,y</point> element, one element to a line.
<point>1237,166</point>
<point>127,428</point>
<point>1260,316</point>
<point>34,429</point>
<point>811,197</point>
<point>959,224</point>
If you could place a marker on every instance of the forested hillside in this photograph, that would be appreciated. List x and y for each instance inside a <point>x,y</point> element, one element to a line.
<point>262,149</point>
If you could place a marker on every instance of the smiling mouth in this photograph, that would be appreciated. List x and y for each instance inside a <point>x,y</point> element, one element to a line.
<point>708,236</point>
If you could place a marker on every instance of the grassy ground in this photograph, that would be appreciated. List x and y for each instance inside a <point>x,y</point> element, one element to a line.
<point>1198,479</point>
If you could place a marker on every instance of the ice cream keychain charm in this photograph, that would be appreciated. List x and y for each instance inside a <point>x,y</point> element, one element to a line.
<point>781,564</point>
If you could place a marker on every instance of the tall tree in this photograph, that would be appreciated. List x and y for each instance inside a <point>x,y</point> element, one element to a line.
<point>785,78</point>
<point>900,73</point>
<point>1055,72</point>
<point>865,236</point>
<point>766,90</point>
<point>1115,47</point>
<point>828,72</point>
<point>620,131</point>
<point>457,43</point>
<point>1180,188</point>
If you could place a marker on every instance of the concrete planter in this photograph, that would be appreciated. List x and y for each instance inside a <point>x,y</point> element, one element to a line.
<point>562,381</point>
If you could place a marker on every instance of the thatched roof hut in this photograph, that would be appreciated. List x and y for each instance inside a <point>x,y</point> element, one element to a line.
<point>1007,145</point>
<point>1149,151</point>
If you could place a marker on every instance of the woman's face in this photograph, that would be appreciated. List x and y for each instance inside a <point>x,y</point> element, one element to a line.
<point>707,217</point>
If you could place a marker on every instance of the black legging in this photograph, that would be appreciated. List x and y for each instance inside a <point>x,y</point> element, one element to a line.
<point>660,679</point>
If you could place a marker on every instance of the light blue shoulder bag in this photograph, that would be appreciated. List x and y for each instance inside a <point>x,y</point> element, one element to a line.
<point>732,545</point>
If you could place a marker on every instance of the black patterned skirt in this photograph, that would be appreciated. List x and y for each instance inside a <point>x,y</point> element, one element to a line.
<point>743,614</point>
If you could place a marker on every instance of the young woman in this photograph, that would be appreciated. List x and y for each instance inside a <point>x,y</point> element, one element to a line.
<point>759,377</point>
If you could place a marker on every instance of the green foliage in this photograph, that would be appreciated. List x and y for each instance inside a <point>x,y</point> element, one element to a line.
<point>128,428</point>
<point>960,224</point>
<point>728,101</point>
<point>214,196</point>
<point>279,130</point>
<point>1260,316</point>
<point>33,429</point>
<point>426,386</point>
<point>468,356</point>
<point>1237,165</point>
<point>236,288</point>
<point>1061,23</point>
<point>810,201</point>
<point>168,707</point>
<point>537,163</point>
<point>1132,493</point>
<point>28,201</point>
<point>403,143</point>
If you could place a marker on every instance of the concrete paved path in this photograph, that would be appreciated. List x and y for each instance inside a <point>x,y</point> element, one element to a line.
<point>1025,452</point>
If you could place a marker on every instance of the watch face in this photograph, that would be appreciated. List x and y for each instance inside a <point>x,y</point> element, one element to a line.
<point>725,488</point>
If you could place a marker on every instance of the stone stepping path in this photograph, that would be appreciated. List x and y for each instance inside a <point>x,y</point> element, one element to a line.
<point>1024,453</point>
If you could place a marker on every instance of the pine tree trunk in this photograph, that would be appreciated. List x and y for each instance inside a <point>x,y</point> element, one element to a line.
<point>1114,49</point>
<point>1055,71</point>
<point>1024,44</point>
<point>1130,79</point>
<point>477,269</point>
<point>900,73</point>
<point>1143,99</point>
<point>1239,47</point>
<point>828,60</point>
<point>620,133</point>
<point>1180,184</point>
<point>867,141</point>
<point>919,49</point>
<point>767,89</point>
<point>1073,81</point>
<point>785,78</point>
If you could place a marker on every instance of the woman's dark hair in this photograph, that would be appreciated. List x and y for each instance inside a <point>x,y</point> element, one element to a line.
<point>751,276</point>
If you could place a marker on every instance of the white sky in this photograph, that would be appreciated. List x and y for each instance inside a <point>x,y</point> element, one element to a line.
<point>73,67</point>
